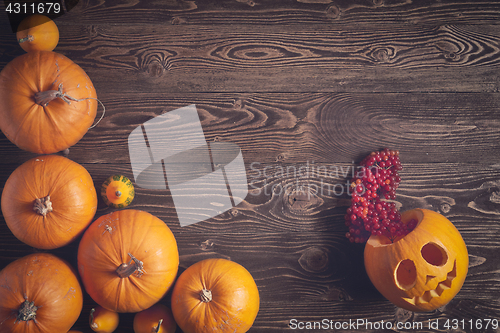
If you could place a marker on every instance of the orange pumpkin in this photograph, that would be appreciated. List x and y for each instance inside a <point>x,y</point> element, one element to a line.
<point>48,102</point>
<point>424,269</point>
<point>102,320</point>
<point>215,295</point>
<point>156,319</point>
<point>40,294</point>
<point>48,201</point>
<point>128,260</point>
<point>37,33</point>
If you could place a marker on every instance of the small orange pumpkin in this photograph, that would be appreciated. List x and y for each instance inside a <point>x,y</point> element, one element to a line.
<point>117,191</point>
<point>128,260</point>
<point>215,295</point>
<point>48,102</point>
<point>40,293</point>
<point>48,201</point>
<point>102,320</point>
<point>424,269</point>
<point>156,319</point>
<point>37,33</point>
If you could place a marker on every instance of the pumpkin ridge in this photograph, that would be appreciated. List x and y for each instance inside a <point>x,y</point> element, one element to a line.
<point>149,231</point>
<point>30,84</point>
<point>56,125</point>
<point>136,282</point>
<point>114,260</point>
<point>32,191</point>
<point>27,114</point>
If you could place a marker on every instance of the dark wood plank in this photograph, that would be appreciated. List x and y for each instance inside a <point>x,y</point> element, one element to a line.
<point>291,58</point>
<point>301,128</point>
<point>358,12</point>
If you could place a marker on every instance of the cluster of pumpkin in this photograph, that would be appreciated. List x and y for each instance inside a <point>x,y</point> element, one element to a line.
<point>127,260</point>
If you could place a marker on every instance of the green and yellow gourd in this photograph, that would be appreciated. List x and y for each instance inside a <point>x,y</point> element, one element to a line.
<point>117,191</point>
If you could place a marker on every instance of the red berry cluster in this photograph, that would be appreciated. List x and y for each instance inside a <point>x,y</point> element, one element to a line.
<point>370,214</point>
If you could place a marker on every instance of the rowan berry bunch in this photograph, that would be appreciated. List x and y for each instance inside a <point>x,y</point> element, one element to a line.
<point>370,213</point>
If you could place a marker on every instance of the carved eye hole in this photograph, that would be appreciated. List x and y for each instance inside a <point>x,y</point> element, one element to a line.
<point>434,254</point>
<point>406,274</point>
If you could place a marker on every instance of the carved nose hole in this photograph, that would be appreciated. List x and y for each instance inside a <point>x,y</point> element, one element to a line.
<point>406,274</point>
<point>429,277</point>
<point>434,254</point>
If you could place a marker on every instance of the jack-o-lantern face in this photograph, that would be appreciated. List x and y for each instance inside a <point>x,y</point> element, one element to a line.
<point>423,270</point>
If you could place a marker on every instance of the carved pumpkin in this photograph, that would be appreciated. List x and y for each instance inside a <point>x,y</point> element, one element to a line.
<point>424,269</point>
<point>48,201</point>
<point>37,33</point>
<point>40,293</point>
<point>48,102</point>
<point>128,260</point>
<point>215,295</point>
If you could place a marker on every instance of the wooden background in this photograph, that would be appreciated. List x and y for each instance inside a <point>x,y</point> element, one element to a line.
<point>316,83</point>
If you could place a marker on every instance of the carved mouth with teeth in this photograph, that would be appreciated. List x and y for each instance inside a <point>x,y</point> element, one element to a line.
<point>441,287</point>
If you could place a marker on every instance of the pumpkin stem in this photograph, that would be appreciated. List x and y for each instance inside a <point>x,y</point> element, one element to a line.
<point>27,311</point>
<point>92,322</point>
<point>43,98</point>
<point>134,266</point>
<point>118,194</point>
<point>43,206</point>
<point>157,328</point>
<point>206,295</point>
<point>28,38</point>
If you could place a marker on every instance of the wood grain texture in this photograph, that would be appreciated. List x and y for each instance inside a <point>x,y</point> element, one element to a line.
<point>229,12</point>
<point>306,89</point>
<point>314,127</point>
<point>290,58</point>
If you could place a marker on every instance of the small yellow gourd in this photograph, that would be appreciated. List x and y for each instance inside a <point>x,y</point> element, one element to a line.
<point>117,191</point>
<point>103,320</point>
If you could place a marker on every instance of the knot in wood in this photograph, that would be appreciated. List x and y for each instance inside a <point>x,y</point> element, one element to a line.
<point>92,31</point>
<point>238,104</point>
<point>445,207</point>
<point>333,12</point>
<point>302,198</point>
<point>314,260</point>
<point>207,245</point>
<point>381,55</point>
<point>155,69</point>
<point>403,315</point>
<point>280,158</point>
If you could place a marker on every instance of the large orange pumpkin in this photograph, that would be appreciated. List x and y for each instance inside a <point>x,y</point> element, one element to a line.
<point>424,269</point>
<point>128,260</point>
<point>40,293</point>
<point>48,102</point>
<point>48,201</point>
<point>215,295</point>
<point>37,33</point>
